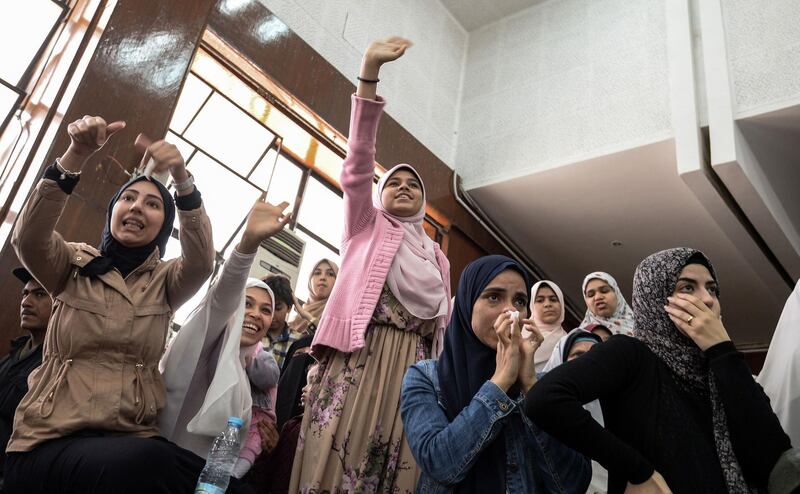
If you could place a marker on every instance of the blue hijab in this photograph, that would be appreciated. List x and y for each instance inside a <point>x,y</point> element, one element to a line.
<point>466,364</point>
<point>115,255</point>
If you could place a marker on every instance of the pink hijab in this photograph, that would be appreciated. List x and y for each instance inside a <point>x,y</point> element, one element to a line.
<point>414,277</point>
<point>552,333</point>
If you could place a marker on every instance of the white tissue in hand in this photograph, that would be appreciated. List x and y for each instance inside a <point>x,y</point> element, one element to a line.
<point>514,319</point>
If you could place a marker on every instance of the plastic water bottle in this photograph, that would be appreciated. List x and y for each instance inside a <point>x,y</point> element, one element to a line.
<point>223,455</point>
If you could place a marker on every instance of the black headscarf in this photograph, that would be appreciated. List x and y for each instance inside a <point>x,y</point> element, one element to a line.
<point>653,282</point>
<point>115,255</point>
<point>573,337</point>
<point>292,381</point>
<point>466,364</point>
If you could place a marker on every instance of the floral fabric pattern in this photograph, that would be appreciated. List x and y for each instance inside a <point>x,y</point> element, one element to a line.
<point>352,439</point>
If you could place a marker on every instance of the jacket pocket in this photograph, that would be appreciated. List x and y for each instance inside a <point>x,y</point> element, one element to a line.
<point>83,304</point>
<point>151,310</point>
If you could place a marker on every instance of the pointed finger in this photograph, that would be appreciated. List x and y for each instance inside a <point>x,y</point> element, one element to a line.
<point>142,142</point>
<point>286,219</point>
<point>115,127</point>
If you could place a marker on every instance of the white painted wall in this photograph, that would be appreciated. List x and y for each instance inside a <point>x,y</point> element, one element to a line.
<point>561,82</point>
<point>763,48</point>
<point>423,88</point>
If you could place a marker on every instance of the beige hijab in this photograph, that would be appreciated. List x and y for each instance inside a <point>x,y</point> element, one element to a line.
<point>314,305</point>
<point>552,333</point>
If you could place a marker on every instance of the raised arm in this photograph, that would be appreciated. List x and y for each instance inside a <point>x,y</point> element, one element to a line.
<point>40,248</point>
<point>263,221</point>
<point>196,263</point>
<point>358,168</point>
<point>225,296</point>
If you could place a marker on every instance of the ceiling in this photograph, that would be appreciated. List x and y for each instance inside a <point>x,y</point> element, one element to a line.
<point>566,219</point>
<point>472,14</point>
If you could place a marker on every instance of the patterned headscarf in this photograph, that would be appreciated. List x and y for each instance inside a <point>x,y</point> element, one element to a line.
<point>653,282</point>
<point>621,321</point>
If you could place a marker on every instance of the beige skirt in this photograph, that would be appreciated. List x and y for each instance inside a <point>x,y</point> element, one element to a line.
<point>352,439</point>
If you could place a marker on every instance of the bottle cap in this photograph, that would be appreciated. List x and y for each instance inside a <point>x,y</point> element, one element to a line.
<point>236,422</point>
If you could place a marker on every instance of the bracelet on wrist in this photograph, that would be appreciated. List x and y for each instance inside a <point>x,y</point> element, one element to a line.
<point>185,185</point>
<point>64,172</point>
<point>368,81</point>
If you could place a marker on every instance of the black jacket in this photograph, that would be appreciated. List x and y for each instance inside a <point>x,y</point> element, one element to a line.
<point>14,373</point>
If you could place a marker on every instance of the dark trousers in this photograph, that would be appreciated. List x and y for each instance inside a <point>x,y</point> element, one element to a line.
<point>85,464</point>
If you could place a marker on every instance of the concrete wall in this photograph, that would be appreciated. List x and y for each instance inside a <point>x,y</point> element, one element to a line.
<point>560,82</point>
<point>422,89</point>
<point>763,48</point>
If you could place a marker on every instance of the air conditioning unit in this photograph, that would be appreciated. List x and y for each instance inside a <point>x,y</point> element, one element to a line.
<point>280,254</point>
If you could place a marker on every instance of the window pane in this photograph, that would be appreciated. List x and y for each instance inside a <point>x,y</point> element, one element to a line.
<point>283,184</point>
<point>322,212</point>
<point>184,147</point>
<point>263,172</point>
<point>230,135</point>
<point>226,197</point>
<point>328,163</point>
<point>313,253</point>
<point>8,99</point>
<point>23,28</point>
<point>193,94</point>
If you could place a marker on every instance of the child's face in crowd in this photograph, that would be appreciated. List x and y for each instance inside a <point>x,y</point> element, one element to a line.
<point>279,314</point>
<point>402,194</point>
<point>322,280</point>
<point>137,215</point>
<point>505,292</point>
<point>600,298</point>
<point>257,315</point>
<point>546,305</point>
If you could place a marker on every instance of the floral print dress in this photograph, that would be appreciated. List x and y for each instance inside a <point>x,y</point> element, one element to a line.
<point>351,439</point>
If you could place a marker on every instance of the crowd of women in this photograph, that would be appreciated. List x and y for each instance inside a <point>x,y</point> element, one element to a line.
<point>383,382</point>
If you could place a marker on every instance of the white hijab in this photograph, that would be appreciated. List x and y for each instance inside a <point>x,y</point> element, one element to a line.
<point>551,332</point>
<point>780,376</point>
<point>224,380</point>
<point>621,321</point>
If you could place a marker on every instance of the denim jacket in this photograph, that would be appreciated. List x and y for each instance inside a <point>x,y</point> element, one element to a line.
<point>446,451</point>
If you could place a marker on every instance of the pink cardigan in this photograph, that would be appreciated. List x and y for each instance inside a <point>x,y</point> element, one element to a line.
<point>369,242</point>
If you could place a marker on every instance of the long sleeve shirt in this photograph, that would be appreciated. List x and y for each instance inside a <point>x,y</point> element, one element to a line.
<point>446,451</point>
<point>652,423</point>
